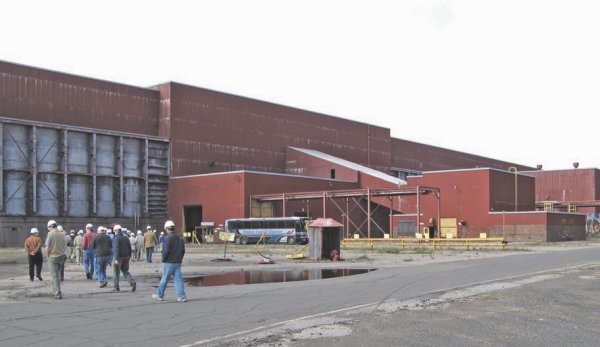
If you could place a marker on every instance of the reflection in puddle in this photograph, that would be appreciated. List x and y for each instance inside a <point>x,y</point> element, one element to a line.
<point>270,276</point>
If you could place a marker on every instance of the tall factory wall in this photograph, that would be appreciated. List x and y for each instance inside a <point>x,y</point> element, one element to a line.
<point>40,95</point>
<point>216,132</point>
<point>419,157</point>
<point>78,175</point>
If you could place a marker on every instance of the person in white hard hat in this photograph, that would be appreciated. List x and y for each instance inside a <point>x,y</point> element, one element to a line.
<point>132,242</point>
<point>61,275</point>
<point>55,252</point>
<point>172,256</point>
<point>78,247</point>
<point>102,245</point>
<point>122,253</point>
<point>150,241</point>
<point>33,247</point>
<point>139,246</point>
<point>88,251</point>
<point>161,239</point>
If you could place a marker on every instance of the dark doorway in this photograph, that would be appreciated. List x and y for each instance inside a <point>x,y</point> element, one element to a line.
<point>192,216</point>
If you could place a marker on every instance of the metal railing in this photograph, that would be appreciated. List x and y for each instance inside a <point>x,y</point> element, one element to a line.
<point>435,243</point>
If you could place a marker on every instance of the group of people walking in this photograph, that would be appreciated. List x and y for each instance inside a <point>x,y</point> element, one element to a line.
<point>103,248</point>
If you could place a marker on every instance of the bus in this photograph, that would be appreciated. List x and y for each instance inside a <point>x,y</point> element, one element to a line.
<point>290,230</point>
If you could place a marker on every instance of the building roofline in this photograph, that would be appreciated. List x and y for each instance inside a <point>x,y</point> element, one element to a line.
<point>263,173</point>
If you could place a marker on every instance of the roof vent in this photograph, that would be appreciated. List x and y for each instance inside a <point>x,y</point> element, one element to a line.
<point>576,165</point>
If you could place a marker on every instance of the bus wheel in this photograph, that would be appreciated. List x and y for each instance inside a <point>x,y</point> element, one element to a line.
<point>238,240</point>
<point>291,240</point>
<point>244,240</point>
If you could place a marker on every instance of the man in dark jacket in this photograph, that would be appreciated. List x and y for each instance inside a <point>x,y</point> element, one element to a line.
<point>122,252</point>
<point>172,255</point>
<point>102,246</point>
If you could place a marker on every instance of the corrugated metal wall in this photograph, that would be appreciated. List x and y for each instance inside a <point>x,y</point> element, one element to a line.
<point>568,185</point>
<point>417,156</point>
<point>215,132</point>
<point>60,171</point>
<point>47,96</point>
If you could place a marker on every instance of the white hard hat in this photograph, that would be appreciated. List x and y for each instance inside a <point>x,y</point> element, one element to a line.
<point>51,223</point>
<point>139,232</point>
<point>117,228</point>
<point>60,228</point>
<point>162,233</point>
<point>148,227</point>
<point>89,226</point>
<point>80,232</point>
<point>169,224</point>
<point>34,231</point>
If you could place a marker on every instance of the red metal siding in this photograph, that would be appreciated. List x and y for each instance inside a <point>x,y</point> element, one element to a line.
<point>502,192</point>
<point>227,195</point>
<point>416,156</point>
<point>52,97</point>
<point>473,196</point>
<point>568,185</point>
<point>216,132</point>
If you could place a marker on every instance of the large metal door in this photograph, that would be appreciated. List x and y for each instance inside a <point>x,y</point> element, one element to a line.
<point>406,228</point>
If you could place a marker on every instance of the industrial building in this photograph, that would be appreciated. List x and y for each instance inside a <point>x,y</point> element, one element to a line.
<point>81,150</point>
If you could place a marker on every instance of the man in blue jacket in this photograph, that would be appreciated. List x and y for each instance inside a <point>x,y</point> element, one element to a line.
<point>122,254</point>
<point>172,255</point>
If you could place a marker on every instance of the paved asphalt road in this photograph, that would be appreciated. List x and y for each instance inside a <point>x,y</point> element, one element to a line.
<point>529,299</point>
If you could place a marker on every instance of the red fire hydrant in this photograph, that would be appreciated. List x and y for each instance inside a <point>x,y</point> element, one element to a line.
<point>335,256</point>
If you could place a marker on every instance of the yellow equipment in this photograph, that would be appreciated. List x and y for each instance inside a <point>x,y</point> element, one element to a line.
<point>298,254</point>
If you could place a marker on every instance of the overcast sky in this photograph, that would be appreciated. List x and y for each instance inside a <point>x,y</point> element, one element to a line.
<point>512,80</point>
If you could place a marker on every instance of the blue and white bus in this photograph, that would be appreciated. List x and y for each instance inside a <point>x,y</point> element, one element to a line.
<point>290,230</point>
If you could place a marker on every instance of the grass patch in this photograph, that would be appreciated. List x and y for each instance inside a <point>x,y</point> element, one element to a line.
<point>408,259</point>
<point>422,250</point>
<point>518,249</point>
<point>390,250</point>
<point>364,257</point>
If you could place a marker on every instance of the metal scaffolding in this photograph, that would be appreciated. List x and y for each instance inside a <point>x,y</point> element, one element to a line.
<point>356,196</point>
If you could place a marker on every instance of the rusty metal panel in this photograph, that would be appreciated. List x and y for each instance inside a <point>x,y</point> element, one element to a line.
<point>48,96</point>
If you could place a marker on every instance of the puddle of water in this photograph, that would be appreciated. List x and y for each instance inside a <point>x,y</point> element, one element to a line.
<point>270,276</point>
